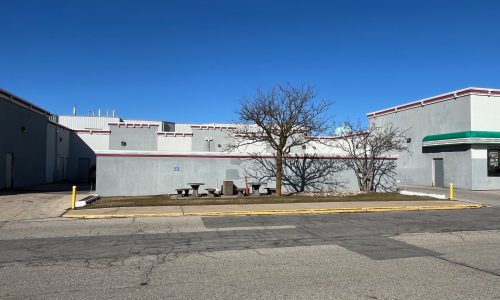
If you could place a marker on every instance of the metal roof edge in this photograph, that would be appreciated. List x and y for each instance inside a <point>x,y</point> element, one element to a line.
<point>25,103</point>
<point>408,105</point>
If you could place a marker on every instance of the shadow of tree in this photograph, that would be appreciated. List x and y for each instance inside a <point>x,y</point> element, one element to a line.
<point>301,172</point>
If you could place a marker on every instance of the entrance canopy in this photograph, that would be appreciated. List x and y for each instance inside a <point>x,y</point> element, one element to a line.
<point>463,137</point>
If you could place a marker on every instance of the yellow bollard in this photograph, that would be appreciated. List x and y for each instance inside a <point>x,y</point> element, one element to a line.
<point>73,197</point>
<point>451,191</point>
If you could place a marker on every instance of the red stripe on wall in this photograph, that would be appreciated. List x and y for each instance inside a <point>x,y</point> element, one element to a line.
<point>433,100</point>
<point>222,156</point>
<point>60,126</point>
<point>92,131</point>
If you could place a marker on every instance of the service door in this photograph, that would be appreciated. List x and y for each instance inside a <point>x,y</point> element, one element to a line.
<point>61,169</point>
<point>83,169</point>
<point>9,170</point>
<point>438,178</point>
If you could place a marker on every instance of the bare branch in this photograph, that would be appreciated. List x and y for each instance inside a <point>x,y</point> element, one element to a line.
<point>281,118</point>
<point>301,172</point>
<point>371,153</point>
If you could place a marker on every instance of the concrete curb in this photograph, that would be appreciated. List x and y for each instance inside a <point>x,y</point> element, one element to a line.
<point>109,216</point>
<point>411,193</point>
<point>277,212</point>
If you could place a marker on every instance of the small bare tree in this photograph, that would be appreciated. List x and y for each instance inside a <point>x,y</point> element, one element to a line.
<point>280,118</point>
<point>370,153</point>
<point>301,172</point>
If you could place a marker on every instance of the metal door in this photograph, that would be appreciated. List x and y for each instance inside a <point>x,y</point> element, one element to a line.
<point>9,170</point>
<point>61,169</point>
<point>83,169</point>
<point>438,178</point>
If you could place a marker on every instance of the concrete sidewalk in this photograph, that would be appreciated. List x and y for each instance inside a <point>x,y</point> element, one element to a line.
<point>489,198</point>
<point>267,209</point>
<point>33,206</point>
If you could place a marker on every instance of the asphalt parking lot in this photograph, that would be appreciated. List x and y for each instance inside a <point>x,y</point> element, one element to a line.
<point>385,255</point>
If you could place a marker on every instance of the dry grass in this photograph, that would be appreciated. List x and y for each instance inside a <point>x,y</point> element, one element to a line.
<point>167,200</point>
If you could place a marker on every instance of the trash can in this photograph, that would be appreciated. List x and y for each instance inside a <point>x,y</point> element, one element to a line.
<point>227,188</point>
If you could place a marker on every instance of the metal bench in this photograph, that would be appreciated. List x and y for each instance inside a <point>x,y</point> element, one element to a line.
<point>255,188</point>
<point>183,192</point>
<point>271,191</point>
<point>240,192</point>
<point>211,193</point>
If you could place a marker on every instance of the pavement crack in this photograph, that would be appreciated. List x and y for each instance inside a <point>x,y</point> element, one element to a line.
<point>159,260</point>
<point>467,266</point>
<point>459,234</point>
<point>205,254</point>
<point>259,253</point>
<point>3,223</point>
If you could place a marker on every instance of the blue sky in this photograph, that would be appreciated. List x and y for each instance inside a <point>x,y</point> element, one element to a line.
<point>192,61</point>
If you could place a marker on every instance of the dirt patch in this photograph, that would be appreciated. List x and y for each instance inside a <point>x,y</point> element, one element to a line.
<point>168,200</point>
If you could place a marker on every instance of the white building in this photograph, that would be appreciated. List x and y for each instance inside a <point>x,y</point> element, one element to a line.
<point>452,138</point>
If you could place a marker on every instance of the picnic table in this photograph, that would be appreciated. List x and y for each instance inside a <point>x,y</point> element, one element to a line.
<point>271,191</point>
<point>255,188</point>
<point>211,193</point>
<point>240,192</point>
<point>183,192</point>
<point>195,186</point>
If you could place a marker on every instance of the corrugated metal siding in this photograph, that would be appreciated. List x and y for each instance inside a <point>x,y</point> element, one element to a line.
<point>53,118</point>
<point>87,122</point>
<point>162,125</point>
<point>159,123</point>
<point>101,123</point>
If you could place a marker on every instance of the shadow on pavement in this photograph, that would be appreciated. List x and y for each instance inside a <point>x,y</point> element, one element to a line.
<point>59,187</point>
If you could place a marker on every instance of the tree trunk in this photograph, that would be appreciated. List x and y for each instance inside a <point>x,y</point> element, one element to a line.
<point>279,171</point>
<point>360,182</point>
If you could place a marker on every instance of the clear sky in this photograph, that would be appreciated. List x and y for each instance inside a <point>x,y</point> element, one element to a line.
<point>192,61</point>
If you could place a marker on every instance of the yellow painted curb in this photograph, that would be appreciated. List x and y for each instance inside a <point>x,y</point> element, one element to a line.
<point>464,206</point>
<point>278,212</point>
<point>397,208</point>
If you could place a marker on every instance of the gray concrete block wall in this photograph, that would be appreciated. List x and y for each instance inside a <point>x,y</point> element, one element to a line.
<point>457,168</point>
<point>29,148</point>
<point>140,138</point>
<point>137,176</point>
<point>63,154</point>
<point>134,176</point>
<point>58,153</point>
<point>208,140</point>
<point>79,150</point>
<point>96,141</point>
<point>415,167</point>
<point>50,154</point>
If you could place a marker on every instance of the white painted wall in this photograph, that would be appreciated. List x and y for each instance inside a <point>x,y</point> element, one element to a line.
<point>174,144</point>
<point>96,141</point>
<point>485,113</point>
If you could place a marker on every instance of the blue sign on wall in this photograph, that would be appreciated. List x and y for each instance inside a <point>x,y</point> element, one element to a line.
<point>177,168</point>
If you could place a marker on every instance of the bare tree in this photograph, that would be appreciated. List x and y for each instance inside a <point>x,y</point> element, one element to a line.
<point>370,153</point>
<point>280,118</point>
<point>301,172</point>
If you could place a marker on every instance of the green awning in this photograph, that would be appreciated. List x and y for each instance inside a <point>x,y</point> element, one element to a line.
<point>462,135</point>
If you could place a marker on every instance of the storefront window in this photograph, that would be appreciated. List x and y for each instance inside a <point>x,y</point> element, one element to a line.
<point>493,163</point>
